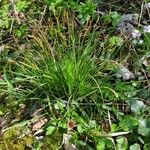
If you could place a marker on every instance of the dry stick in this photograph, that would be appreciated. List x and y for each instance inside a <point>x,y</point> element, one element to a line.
<point>147,9</point>
<point>43,14</point>
<point>140,15</point>
<point>15,14</point>
<point>11,27</point>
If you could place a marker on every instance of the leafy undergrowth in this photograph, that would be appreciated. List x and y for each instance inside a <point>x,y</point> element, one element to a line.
<point>74,75</point>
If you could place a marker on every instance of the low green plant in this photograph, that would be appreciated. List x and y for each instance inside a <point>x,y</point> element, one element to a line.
<point>63,74</point>
<point>112,18</point>
<point>5,19</point>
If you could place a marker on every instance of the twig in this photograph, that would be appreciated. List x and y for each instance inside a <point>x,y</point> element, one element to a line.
<point>140,15</point>
<point>43,14</point>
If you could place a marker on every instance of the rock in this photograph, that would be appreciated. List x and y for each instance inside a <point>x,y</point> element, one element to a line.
<point>67,144</point>
<point>125,74</point>
<point>126,24</point>
<point>145,60</point>
<point>128,18</point>
<point>127,30</point>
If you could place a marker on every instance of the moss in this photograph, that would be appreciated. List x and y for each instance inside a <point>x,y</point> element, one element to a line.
<point>15,139</point>
<point>52,142</point>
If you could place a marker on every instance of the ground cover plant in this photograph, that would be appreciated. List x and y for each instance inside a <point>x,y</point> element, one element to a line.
<point>74,75</point>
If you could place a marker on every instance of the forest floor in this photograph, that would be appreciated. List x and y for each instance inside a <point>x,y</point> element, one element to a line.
<point>75,75</point>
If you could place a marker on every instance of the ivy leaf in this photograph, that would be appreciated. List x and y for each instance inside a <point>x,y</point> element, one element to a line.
<point>137,106</point>
<point>100,145</point>
<point>147,147</point>
<point>129,123</point>
<point>144,127</point>
<point>80,128</point>
<point>122,143</point>
<point>50,130</point>
<point>135,147</point>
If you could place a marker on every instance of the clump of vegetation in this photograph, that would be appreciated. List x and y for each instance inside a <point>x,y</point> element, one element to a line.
<point>74,75</point>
